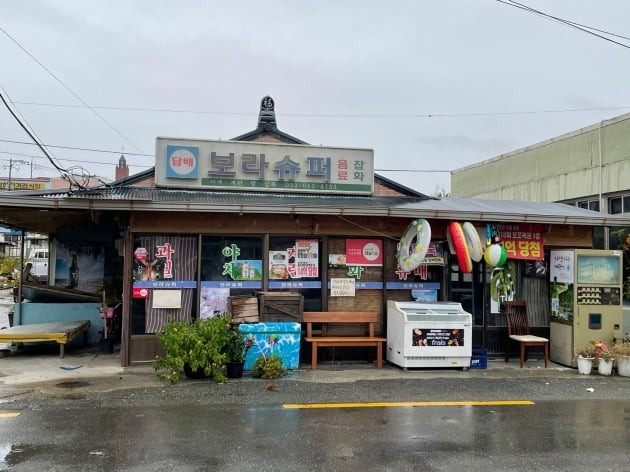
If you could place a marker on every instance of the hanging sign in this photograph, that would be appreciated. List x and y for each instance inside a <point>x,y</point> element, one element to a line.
<point>364,252</point>
<point>342,287</point>
<point>522,240</point>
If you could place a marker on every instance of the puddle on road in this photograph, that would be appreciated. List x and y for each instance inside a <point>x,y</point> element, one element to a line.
<point>72,384</point>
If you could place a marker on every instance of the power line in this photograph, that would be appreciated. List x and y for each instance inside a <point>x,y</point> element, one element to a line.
<point>572,24</point>
<point>113,164</point>
<point>69,89</point>
<point>68,160</point>
<point>336,115</point>
<point>74,148</point>
<point>30,134</point>
<point>413,170</point>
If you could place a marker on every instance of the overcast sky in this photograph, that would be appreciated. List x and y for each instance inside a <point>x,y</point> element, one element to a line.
<point>342,73</point>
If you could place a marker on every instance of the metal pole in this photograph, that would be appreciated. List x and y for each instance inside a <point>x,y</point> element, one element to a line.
<point>10,168</point>
<point>18,322</point>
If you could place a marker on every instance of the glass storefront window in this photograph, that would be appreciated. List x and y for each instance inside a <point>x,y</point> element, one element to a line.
<point>230,266</point>
<point>164,281</point>
<point>295,266</point>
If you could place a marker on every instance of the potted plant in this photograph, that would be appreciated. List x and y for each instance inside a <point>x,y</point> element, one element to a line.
<point>236,351</point>
<point>605,362</point>
<point>196,346</point>
<point>584,357</point>
<point>621,351</point>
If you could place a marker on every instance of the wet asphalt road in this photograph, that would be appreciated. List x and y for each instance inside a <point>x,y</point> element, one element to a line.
<point>242,425</point>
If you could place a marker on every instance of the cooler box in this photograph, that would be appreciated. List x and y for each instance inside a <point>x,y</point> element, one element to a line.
<point>282,338</point>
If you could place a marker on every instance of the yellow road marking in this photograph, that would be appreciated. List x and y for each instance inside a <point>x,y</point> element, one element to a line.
<point>312,406</point>
<point>13,414</point>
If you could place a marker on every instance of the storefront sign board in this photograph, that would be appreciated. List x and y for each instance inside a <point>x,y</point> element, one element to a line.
<point>264,167</point>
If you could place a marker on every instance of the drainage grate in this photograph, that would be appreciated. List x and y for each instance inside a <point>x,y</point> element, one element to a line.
<point>72,384</point>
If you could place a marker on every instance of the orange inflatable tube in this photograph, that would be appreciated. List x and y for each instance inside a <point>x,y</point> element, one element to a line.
<point>458,238</point>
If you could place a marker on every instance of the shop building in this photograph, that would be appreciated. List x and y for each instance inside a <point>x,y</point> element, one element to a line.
<point>265,212</point>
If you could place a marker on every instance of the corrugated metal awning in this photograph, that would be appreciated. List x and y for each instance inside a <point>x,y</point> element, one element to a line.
<point>118,198</point>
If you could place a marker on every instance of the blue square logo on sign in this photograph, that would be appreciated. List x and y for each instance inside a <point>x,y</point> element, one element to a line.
<point>182,162</point>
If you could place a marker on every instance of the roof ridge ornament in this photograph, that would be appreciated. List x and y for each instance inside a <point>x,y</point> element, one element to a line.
<point>267,115</point>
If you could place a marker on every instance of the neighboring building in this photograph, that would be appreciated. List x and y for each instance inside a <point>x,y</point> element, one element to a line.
<point>589,167</point>
<point>293,214</point>
<point>10,242</point>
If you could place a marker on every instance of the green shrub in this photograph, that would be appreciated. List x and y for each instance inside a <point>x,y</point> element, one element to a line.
<point>268,367</point>
<point>202,344</point>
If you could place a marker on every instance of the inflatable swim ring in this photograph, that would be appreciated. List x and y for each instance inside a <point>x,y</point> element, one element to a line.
<point>458,239</point>
<point>473,241</point>
<point>410,254</point>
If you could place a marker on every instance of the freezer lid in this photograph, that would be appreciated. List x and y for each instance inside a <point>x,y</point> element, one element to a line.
<point>438,308</point>
<point>441,318</point>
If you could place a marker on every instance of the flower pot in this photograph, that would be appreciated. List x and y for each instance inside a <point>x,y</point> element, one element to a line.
<point>107,345</point>
<point>194,374</point>
<point>585,365</point>
<point>605,367</point>
<point>234,370</point>
<point>623,366</point>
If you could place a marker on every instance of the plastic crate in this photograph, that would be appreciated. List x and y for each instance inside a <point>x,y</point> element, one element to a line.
<point>479,359</point>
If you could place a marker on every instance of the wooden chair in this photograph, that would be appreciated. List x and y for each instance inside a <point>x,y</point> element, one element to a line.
<point>518,330</point>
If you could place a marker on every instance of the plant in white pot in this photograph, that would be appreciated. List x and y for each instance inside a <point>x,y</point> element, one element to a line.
<point>603,357</point>
<point>621,351</point>
<point>584,357</point>
<point>605,362</point>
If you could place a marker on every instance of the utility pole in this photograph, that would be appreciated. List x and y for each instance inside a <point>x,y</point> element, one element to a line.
<point>12,163</point>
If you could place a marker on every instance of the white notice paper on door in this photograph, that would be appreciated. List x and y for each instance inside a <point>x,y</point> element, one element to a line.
<point>167,298</point>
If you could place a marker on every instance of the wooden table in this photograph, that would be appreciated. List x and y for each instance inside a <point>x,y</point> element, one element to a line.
<point>61,332</point>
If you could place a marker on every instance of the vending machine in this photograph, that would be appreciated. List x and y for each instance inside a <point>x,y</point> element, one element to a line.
<point>586,300</point>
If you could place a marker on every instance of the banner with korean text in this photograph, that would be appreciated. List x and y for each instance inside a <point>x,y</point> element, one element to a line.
<point>522,240</point>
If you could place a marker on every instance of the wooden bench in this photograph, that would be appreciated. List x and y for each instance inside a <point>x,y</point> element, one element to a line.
<point>346,317</point>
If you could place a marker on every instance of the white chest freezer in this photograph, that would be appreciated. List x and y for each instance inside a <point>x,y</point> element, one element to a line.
<point>428,334</point>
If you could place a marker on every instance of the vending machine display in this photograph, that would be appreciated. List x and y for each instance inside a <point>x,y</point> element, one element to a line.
<point>428,334</point>
<point>586,301</point>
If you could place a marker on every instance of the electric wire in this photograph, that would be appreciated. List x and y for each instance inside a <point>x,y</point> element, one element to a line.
<point>64,172</point>
<point>69,89</point>
<point>75,148</point>
<point>64,159</point>
<point>572,24</point>
<point>335,115</point>
<point>152,155</point>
